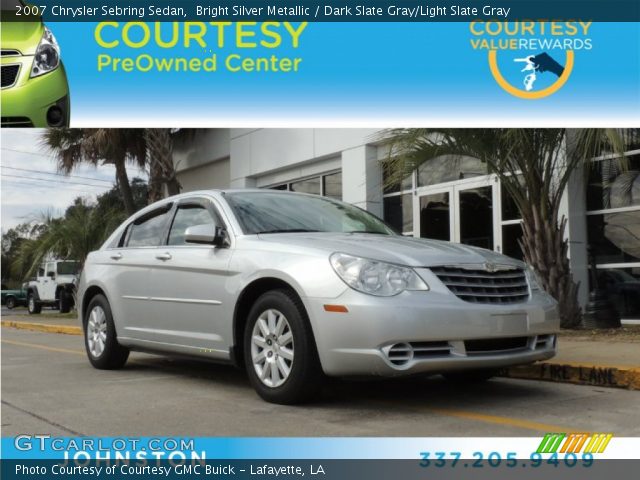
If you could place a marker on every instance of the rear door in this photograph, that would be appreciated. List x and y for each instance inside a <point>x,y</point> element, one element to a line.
<point>189,294</point>
<point>128,272</point>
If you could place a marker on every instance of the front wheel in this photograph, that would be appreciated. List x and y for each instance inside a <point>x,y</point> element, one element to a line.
<point>103,349</point>
<point>33,306</point>
<point>279,350</point>
<point>10,303</point>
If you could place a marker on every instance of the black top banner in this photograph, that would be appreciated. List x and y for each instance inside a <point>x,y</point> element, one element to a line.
<point>320,10</point>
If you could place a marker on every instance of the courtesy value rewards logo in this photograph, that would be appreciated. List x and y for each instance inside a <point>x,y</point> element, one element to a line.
<point>527,59</point>
<point>574,443</point>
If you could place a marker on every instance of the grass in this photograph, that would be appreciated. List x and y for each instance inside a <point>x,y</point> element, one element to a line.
<point>626,333</point>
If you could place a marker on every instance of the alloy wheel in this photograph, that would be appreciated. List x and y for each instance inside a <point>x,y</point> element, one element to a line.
<point>97,331</point>
<point>272,348</point>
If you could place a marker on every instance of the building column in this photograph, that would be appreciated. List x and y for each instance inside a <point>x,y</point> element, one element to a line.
<point>362,178</point>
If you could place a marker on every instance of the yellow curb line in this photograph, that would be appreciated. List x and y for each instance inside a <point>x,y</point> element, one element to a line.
<point>580,374</point>
<point>43,327</point>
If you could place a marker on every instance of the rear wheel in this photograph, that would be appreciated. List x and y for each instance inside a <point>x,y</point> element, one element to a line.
<point>279,350</point>
<point>103,349</point>
<point>33,306</point>
<point>10,303</point>
<point>64,302</point>
<point>471,376</point>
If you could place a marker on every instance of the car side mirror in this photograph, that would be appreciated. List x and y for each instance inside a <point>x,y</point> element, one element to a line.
<point>207,234</point>
<point>51,275</point>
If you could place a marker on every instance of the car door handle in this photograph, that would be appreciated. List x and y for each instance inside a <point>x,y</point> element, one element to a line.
<point>116,256</point>
<point>164,256</point>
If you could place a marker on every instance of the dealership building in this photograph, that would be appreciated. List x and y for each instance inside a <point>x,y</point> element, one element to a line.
<point>447,199</point>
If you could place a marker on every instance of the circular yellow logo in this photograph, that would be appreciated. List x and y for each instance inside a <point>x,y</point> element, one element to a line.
<point>525,93</point>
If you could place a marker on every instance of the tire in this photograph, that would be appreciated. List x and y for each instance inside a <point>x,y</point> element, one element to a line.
<point>471,376</point>
<point>33,306</point>
<point>64,302</point>
<point>100,340</point>
<point>292,345</point>
<point>10,303</point>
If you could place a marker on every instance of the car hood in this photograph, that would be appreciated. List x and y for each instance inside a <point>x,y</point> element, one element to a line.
<point>414,252</point>
<point>21,36</point>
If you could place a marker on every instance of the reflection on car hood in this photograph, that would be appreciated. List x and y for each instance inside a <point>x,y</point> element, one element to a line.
<point>414,252</point>
<point>21,36</point>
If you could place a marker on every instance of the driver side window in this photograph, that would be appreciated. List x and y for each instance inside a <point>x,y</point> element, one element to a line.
<point>188,216</point>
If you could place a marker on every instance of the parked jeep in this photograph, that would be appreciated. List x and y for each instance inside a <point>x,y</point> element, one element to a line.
<point>14,298</point>
<point>54,286</point>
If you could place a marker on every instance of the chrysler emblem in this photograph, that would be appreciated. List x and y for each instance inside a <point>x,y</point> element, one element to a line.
<point>490,267</point>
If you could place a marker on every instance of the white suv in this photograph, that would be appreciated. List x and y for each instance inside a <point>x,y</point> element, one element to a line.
<point>55,286</point>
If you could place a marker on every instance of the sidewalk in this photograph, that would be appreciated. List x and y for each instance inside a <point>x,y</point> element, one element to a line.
<point>590,359</point>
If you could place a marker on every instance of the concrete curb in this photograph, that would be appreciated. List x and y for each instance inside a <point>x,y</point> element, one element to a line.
<point>619,376</point>
<point>612,376</point>
<point>43,327</point>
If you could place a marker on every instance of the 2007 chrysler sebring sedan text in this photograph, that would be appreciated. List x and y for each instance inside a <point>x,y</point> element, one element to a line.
<point>297,286</point>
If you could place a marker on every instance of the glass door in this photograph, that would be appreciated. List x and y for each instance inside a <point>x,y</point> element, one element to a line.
<point>466,213</point>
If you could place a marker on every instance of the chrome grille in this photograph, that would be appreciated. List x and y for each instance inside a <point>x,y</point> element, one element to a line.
<point>9,75</point>
<point>482,286</point>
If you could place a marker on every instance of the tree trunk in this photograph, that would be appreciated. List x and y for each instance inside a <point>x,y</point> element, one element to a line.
<point>162,169</point>
<point>545,249</point>
<point>124,186</point>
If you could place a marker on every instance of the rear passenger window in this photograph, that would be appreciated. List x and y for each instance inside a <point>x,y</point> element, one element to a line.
<point>148,231</point>
<point>188,216</point>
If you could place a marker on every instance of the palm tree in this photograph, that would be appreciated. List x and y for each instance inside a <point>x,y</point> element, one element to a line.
<point>81,230</point>
<point>534,166</point>
<point>161,167</point>
<point>116,146</point>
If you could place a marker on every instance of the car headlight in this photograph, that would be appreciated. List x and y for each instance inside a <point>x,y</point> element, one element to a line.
<point>532,279</point>
<point>375,278</point>
<point>47,57</point>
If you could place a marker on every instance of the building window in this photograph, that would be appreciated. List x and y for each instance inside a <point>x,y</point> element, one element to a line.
<point>397,202</point>
<point>449,169</point>
<point>398,212</point>
<point>613,229</point>
<point>327,185</point>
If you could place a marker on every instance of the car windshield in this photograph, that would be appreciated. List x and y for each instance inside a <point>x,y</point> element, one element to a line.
<point>276,212</point>
<point>68,268</point>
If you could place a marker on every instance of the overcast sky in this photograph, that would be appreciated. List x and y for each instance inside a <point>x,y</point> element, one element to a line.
<point>30,185</point>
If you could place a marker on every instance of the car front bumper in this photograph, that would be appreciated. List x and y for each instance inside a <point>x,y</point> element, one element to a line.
<point>27,101</point>
<point>432,331</point>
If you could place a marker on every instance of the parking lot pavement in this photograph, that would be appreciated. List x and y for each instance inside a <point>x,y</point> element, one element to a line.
<point>48,386</point>
<point>15,311</point>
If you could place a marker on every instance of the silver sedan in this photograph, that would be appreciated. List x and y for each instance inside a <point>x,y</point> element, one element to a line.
<point>294,287</point>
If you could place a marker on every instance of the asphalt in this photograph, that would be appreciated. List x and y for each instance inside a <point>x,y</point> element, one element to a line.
<point>48,386</point>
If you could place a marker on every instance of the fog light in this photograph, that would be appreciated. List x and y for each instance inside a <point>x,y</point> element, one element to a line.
<point>55,116</point>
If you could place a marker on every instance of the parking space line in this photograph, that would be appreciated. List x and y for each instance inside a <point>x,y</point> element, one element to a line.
<point>508,421</point>
<point>43,347</point>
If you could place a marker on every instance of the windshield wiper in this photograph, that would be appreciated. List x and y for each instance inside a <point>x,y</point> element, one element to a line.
<point>367,231</point>
<point>289,230</point>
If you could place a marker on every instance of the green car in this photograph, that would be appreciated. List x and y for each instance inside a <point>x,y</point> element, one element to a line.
<point>14,298</point>
<point>35,92</point>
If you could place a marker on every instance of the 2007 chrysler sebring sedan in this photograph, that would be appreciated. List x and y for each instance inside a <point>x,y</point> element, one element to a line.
<point>297,286</point>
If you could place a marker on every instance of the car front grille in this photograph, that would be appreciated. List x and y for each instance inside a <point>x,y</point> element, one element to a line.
<point>10,52</point>
<point>16,122</point>
<point>9,75</point>
<point>483,286</point>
